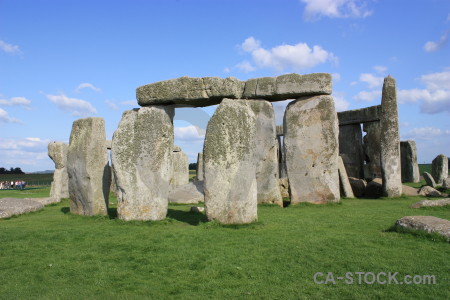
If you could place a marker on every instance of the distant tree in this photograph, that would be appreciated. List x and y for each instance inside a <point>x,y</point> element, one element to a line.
<point>2,171</point>
<point>193,166</point>
<point>11,171</point>
<point>18,171</point>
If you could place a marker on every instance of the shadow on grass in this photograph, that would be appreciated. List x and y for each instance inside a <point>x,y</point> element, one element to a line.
<point>435,237</point>
<point>187,216</point>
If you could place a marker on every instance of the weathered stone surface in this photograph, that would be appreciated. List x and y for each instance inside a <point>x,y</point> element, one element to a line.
<point>229,164</point>
<point>176,148</point>
<point>57,151</point>
<point>284,187</point>
<point>446,183</point>
<point>431,203</point>
<point>439,168</point>
<point>142,162</point>
<point>351,149</point>
<point>429,179</point>
<point>358,116</point>
<point>409,191</point>
<point>16,206</point>
<point>180,169</point>
<point>374,188</point>
<point>410,168</point>
<point>311,147</point>
<point>390,141</point>
<point>427,223</point>
<point>280,130</point>
<point>211,90</point>
<point>197,209</point>
<point>190,193</point>
<point>199,175</point>
<point>358,186</point>
<point>372,150</point>
<point>428,191</point>
<point>282,171</point>
<point>88,168</point>
<point>345,187</point>
<point>266,153</point>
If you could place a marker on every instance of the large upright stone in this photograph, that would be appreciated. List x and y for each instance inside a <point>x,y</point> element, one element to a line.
<point>372,150</point>
<point>351,149</point>
<point>199,175</point>
<point>57,151</point>
<point>312,148</point>
<point>88,168</point>
<point>266,153</point>
<point>429,179</point>
<point>180,174</point>
<point>410,168</point>
<point>390,141</point>
<point>229,164</point>
<point>142,162</point>
<point>345,186</point>
<point>439,168</point>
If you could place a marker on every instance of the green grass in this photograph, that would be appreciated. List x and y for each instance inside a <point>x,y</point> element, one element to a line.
<point>53,254</point>
<point>29,192</point>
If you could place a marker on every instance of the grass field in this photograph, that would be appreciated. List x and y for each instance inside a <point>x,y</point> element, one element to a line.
<point>53,254</point>
<point>31,179</point>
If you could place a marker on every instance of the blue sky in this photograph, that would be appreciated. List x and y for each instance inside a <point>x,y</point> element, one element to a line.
<point>64,60</point>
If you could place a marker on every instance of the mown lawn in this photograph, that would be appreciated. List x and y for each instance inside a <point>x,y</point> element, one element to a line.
<point>53,254</point>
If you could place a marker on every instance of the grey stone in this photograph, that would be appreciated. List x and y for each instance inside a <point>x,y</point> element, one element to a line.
<point>409,191</point>
<point>88,168</point>
<point>189,193</point>
<point>142,162</point>
<point>372,150</point>
<point>280,130</point>
<point>428,191</point>
<point>429,179</point>
<point>16,206</point>
<point>345,187</point>
<point>197,209</point>
<point>431,203</point>
<point>284,187</point>
<point>229,164</point>
<point>57,151</point>
<point>358,116</point>
<point>180,169</point>
<point>266,153</point>
<point>374,188</point>
<point>311,147</point>
<point>446,183</point>
<point>176,148</point>
<point>410,168</point>
<point>439,168</point>
<point>351,149</point>
<point>199,175</point>
<point>358,186</point>
<point>282,171</point>
<point>426,223</point>
<point>390,141</point>
<point>211,90</point>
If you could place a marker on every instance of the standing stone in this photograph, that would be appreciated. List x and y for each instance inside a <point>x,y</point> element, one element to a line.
<point>346,188</point>
<point>372,150</point>
<point>88,168</point>
<point>312,148</point>
<point>57,151</point>
<point>351,149</point>
<point>180,173</point>
<point>390,141</point>
<point>200,166</point>
<point>410,168</point>
<point>429,179</point>
<point>142,162</point>
<point>439,168</point>
<point>229,164</point>
<point>266,153</point>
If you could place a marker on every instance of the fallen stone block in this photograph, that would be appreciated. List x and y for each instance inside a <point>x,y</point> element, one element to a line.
<point>428,191</point>
<point>16,206</point>
<point>431,203</point>
<point>426,223</point>
<point>190,193</point>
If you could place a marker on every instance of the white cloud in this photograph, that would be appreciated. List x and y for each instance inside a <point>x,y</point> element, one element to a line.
<point>368,95</point>
<point>129,102</point>
<point>297,57</point>
<point>435,46</point>
<point>435,98</point>
<point>16,101</point>
<point>380,69</point>
<point>77,107</point>
<point>372,80</point>
<point>336,77</point>
<point>5,118</point>
<point>226,70</point>
<point>426,133</point>
<point>245,67</point>
<point>9,48</point>
<point>87,85</point>
<point>314,9</point>
<point>189,133</point>
<point>25,153</point>
<point>111,104</point>
<point>339,101</point>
